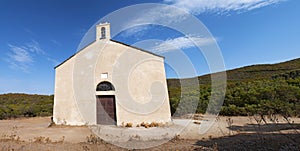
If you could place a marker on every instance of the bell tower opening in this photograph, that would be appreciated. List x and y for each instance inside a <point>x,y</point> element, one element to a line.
<point>103,34</point>
<point>103,31</point>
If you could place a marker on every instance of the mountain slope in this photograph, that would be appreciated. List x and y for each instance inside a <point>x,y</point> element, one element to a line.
<point>268,89</point>
<point>253,72</point>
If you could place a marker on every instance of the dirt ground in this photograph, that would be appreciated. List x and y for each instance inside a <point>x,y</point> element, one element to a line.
<point>227,133</point>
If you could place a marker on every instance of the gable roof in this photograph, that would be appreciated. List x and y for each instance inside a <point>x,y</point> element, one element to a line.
<point>137,48</point>
<point>112,41</point>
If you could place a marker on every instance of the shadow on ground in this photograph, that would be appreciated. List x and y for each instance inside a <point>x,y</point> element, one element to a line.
<point>258,137</point>
<point>272,127</point>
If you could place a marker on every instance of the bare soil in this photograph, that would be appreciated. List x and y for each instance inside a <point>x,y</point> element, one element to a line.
<point>227,133</point>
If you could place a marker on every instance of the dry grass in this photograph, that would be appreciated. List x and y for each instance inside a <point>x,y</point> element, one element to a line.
<point>152,124</point>
<point>46,140</point>
<point>93,139</point>
<point>144,124</point>
<point>12,137</point>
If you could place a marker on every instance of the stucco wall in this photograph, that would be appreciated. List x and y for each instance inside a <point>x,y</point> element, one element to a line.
<point>134,73</point>
<point>74,101</point>
<point>138,77</point>
<point>65,110</point>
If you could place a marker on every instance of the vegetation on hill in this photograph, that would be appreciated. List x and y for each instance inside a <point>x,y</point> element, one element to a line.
<point>258,89</point>
<point>25,105</point>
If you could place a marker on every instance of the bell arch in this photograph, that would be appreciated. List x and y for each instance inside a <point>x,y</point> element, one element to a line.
<point>103,33</point>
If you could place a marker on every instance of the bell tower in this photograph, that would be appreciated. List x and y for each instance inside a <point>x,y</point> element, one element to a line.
<point>103,31</point>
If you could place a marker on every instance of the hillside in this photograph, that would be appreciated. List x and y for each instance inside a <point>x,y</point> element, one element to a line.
<point>256,89</point>
<point>14,105</point>
<point>264,71</point>
<point>253,72</point>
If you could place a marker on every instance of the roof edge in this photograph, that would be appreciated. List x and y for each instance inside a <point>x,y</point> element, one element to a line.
<point>137,48</point>
<point>112,41</point>
<point>74,54</point>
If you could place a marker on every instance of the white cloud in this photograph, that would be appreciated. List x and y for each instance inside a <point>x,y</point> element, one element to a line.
<point>220,6</point>
<point>168,15</point>
<point>182,43</point>
<point>135,31</point>
<point>55,42</point>
<point>21,57</point>
<point>19,54</point>
<point>163,15</point>
<point>55,62</point>
<point>34,47</point>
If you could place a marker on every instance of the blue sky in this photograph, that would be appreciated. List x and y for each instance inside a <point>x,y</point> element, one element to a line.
<point>38,35</point>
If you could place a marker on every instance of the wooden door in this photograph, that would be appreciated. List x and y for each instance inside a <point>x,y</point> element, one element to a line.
<point>106,110</point>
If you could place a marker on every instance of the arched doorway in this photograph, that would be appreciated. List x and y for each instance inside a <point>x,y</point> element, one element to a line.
<point>106,104</point>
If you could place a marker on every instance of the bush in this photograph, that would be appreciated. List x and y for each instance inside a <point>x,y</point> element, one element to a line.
<point>24,105</point>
